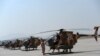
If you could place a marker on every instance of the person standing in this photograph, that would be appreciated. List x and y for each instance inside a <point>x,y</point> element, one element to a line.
<point>43,46</point>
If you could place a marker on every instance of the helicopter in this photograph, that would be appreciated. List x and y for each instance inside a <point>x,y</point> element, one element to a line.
<point>67,39</point>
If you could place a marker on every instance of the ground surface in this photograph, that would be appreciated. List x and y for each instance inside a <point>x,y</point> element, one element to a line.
<point>84,47</point>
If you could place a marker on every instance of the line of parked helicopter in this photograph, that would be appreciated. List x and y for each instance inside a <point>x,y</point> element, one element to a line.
<point>61,40</point>
<point>31,42</point>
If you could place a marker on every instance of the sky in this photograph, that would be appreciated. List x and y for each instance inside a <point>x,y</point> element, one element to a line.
<point>27,17</point>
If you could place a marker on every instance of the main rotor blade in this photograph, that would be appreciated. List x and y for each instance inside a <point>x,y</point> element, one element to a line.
<point>87,29</point>
<point>63,29</point>
<point>96,26</point>
<point>46,32</point>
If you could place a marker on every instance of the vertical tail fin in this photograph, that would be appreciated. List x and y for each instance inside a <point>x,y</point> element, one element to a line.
<point>96,32</point>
